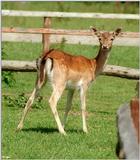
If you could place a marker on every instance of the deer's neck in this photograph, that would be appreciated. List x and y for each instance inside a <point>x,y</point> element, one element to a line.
<point>101,60</point>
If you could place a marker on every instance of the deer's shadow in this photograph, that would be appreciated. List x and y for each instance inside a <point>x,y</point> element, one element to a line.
<point>50,130</point>
<point>41,130</point>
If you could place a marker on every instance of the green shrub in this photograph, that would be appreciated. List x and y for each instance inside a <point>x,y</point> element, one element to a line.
<point>20,101</point>
<point>7,76</point>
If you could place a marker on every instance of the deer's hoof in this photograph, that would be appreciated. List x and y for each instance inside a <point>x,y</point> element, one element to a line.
<point>63,133</point>
<point>19,127</point>
<point>85,131</point>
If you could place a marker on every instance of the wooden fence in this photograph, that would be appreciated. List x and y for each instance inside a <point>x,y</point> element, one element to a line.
<point>70,36</point>
<point>48,35</point>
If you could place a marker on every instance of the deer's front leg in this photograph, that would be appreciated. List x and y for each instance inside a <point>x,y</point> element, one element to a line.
<point>83,107</point>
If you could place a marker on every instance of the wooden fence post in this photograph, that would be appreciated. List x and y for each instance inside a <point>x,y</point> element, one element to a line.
<point>46,37</point>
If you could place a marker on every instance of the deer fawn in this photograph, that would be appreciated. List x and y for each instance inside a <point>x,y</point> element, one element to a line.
<point>72,72</point>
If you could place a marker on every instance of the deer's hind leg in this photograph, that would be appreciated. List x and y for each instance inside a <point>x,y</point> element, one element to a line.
<point>83,106</point>
<point>56,94</point>
<point>68,105</point>
<point>39,83</point>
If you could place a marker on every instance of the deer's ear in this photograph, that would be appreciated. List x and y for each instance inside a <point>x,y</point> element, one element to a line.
<point>117,31</point>
<point>96,32</point>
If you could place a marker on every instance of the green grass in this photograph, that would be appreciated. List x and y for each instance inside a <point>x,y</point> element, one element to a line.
<point>106,7</point>
<point>40,138</point>
<point>29,51</point>
<point>71,23</point>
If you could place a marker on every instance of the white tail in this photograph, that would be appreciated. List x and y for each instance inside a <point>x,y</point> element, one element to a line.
<point>72,72</point>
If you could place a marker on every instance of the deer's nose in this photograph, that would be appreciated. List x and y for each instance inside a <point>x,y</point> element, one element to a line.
<point>105,47</point>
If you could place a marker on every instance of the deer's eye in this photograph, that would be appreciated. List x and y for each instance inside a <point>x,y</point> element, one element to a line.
<point>100,39</point>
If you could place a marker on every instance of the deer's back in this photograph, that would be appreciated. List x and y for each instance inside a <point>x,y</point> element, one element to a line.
<point>73,68</point>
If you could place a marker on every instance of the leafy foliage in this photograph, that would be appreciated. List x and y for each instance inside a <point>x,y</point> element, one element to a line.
<point>7,76</point>
<point>20,101</point>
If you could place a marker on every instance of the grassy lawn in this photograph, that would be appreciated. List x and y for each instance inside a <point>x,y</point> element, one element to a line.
<point>40,138</point>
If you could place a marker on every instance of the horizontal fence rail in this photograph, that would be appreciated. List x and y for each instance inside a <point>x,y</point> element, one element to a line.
<point>68,14</point>
<point>67,39</point>
<point>67,36</point>
<point>62,32</point>
<point>30,66</point>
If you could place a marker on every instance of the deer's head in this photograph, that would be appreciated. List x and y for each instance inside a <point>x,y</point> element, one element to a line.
<point>106,38</point>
